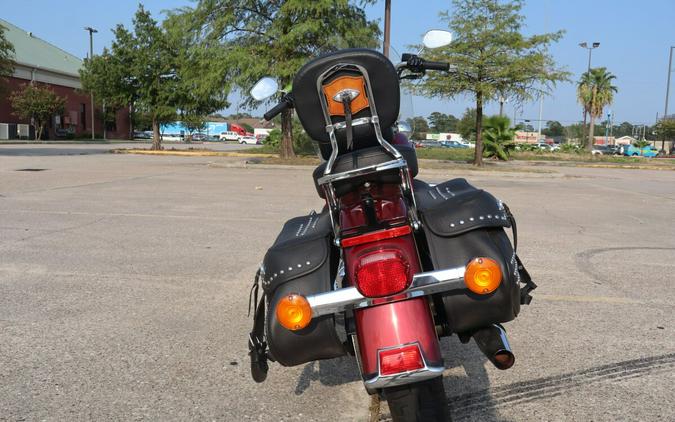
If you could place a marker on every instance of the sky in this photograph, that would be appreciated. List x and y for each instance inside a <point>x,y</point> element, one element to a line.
<point>634,37</point>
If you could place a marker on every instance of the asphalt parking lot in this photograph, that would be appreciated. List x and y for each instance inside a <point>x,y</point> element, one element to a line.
<point>124,286</point>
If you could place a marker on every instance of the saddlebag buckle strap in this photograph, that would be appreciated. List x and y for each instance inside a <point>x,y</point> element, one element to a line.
<point>257,346</point>
<point>525,297</point>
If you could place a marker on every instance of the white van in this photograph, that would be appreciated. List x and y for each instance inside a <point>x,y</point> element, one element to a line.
<point>229,136</point>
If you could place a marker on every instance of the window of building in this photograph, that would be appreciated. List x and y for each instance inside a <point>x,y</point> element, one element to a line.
<point>83,115</point>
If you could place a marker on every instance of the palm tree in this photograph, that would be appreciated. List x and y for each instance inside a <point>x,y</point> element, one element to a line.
<point>594,92</point>
<point>498,137</point>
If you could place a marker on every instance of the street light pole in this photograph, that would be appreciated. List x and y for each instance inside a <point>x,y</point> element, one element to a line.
<point>92,31</point>
<point>590,52</point>
<point>387,27</point>
<point>670,68</point>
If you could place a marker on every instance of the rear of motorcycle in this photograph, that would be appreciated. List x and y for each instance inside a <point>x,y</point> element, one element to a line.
<point>392,264</point>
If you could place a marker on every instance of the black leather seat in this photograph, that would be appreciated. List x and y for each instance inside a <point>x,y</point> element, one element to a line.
<point>362,158</point>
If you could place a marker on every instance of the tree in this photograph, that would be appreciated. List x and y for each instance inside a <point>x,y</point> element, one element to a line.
<point>665,129</point>
<point>574,131</point>
<point>276,38</point>
<point>419,126</point>
<point>440,122</point>
<point>161,70</point>
<point>553,129</point>
<point>498,137</point>
<point>491,58</point>
<point>641,143</point>
<point>6,54</point>
<point>467,125</point>
<point>624,129</point>
<point>193,123</point>
<point>594,92</point>
<point>37,103</point>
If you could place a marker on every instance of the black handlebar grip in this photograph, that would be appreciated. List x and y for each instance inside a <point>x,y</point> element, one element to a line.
<point>283,105</point>
<point>436,65</point>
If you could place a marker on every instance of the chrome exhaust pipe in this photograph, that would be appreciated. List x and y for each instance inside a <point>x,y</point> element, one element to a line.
<point>492,341</point>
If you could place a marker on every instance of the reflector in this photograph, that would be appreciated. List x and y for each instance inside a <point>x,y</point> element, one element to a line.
<point>375,236</point>
<point>396,361</point>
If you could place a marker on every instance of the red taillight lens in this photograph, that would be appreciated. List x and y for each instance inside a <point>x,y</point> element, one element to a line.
<point>396,361</point>
<point>382,273</point>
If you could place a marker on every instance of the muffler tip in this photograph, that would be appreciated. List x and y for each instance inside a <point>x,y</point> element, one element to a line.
<point>492,341</point>
<point>503,359</point>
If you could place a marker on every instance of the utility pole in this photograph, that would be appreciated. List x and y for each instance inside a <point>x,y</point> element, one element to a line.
<point>590,51</point>
<point>502,100</point>
<point>387,27</point>
<point>92,31</point>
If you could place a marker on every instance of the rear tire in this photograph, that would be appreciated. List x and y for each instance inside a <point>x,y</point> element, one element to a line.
<point>422,401</point>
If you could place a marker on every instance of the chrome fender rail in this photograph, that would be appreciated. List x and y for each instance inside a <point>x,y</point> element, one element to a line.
<point>423,284</point>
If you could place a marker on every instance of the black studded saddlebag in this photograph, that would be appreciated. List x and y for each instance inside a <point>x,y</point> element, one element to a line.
<point>302,260</point>
<point>461,223</point>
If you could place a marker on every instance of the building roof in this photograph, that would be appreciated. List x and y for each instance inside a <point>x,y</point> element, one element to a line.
<point>34,52</point>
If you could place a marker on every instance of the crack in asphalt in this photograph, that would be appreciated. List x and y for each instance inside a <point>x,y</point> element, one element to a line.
<point>105,182</point>
<point>63,230</point>
<point>584,264</point>
<point>464,405</point>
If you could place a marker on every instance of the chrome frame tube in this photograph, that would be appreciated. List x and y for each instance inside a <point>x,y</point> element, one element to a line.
<point>423,284</point>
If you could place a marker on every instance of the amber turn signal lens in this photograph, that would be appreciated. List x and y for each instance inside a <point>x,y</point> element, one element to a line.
<point>482,275</point>
<point>294,312</point>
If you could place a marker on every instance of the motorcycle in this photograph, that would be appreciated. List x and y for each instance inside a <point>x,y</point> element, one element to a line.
<point>391,264</point>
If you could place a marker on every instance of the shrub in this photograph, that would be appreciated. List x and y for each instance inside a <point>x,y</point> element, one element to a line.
<point>498,138</point>
<point>571,148</point>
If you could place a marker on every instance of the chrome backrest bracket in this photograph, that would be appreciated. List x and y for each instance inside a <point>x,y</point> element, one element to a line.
<point>326,182</point>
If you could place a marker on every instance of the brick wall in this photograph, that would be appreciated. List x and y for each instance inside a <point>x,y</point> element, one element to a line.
<point>73,111</point>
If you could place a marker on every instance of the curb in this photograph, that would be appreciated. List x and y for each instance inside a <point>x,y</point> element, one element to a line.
<point>82,142</point>
<point>192,153</point>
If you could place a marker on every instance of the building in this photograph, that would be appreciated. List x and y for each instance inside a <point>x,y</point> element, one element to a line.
<point>37,61</point>
<point>523,137</point>
<point>444,137</point>
<point>605,140</point>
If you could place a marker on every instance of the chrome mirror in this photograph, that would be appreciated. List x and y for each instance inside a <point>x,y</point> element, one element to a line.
<point>264,88</point>
<point>437,38</point>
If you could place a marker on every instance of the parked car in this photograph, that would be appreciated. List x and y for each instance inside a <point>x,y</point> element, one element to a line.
<point>605,150</point>
<point>633,151</point>
<point>142,134</point>
<point>252,140</point>
<point>544,146</point>
<point>229,136</point>
<point>613,149</point>
<point>427,143</point>
<point>199,137</point>
<point>453,144</point>
<point>601,150</point>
